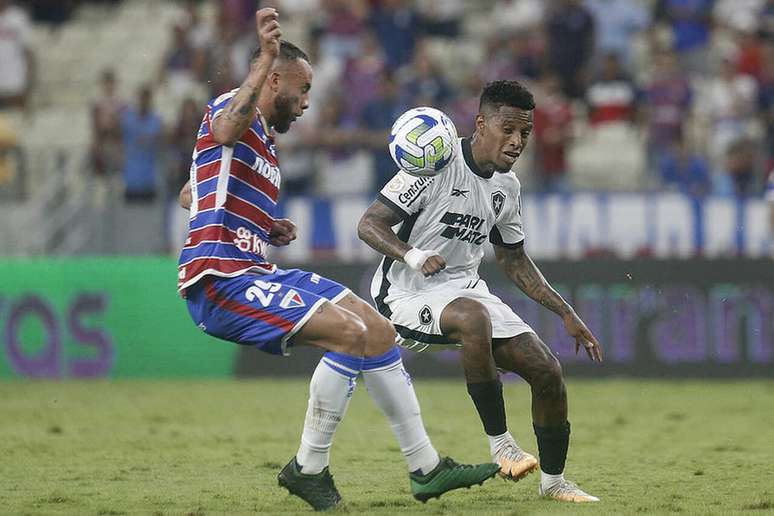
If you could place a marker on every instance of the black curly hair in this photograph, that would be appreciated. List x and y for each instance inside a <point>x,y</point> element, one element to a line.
<point>506,93</point>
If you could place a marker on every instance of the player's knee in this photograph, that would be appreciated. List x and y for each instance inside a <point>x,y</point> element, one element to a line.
<point>351,335</point>
<point>469,319</point>
<point>381,336</point>
<point>549,380</point>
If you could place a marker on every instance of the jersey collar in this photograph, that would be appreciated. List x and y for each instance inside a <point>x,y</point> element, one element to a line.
<point>467,153</point>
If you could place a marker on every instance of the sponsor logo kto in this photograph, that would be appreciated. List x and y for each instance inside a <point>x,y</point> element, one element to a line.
<point>249,242</point>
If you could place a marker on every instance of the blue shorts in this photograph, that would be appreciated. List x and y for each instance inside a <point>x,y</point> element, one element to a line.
<point>261,310</point>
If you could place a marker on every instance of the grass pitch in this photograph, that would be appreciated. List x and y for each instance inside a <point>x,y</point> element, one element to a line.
<point>215,447</point>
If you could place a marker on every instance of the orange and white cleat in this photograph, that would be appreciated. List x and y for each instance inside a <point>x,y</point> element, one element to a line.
<point>567,491</point>
<point>514,462</point>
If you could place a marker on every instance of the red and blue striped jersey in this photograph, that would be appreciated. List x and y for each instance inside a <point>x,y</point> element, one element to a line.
<point>234,197</point>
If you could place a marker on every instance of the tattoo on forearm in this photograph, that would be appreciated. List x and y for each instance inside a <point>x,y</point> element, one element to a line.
<point>523,271</point>
<point>383,240</point>
<point>375,229</point>
<point>241,109</point>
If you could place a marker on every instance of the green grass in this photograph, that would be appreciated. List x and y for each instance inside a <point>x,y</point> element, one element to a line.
<point>210,447</point>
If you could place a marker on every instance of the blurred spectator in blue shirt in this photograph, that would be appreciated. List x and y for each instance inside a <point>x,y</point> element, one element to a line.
<point>617,22</point>
<point>667,99</point>
<point>423,82</point>
<point>740,167</point>
<point>142,131</point>
<point>685,171</point>
<point>361,76</point>
<point>766,102</point>
<point>396,24</point>
<point>570,30</point>
<point>511,55</point>
<point>341,28</point>
<point>690,23</point>
<point>378,117</point>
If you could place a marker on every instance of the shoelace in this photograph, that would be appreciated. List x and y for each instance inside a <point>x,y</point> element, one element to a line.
<point>453,464</point>
<point>566,486</point>
<point>510,450</point>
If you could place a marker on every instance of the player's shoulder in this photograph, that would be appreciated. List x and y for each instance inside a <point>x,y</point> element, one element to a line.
<point>403,182</point>
<point>222,98</point>
<point>509,181</point>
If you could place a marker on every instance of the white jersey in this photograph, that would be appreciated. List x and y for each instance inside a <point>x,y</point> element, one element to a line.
<point>454,213</point>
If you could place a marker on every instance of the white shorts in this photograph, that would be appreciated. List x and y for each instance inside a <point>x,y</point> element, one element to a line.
<point>416,316</point>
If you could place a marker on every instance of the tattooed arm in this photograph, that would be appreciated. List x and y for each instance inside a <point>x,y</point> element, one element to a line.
<point>520,268</point>
<point>375,229</point>
<point>240,112</point>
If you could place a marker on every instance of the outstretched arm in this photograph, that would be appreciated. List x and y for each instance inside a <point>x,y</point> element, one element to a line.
<point>520,268</point>
<point>240,112</point>
<point>375,229</point>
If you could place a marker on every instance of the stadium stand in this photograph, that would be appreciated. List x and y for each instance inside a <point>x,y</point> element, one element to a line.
<point>710,91</point>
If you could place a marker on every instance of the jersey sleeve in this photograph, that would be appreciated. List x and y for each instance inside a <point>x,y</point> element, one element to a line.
<point>406,194</point>
<point>508,230</point>
<point>217,105</point>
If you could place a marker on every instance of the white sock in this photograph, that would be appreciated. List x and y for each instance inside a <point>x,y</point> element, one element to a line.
<point>547,480</point>
<point>497,441</point>
<point>330,390</point>
<point>390,386</point>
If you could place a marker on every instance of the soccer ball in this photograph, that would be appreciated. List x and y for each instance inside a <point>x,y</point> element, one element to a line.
<point>423,141</point>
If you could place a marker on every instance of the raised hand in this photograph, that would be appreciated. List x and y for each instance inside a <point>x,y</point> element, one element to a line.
<point>269,30</point>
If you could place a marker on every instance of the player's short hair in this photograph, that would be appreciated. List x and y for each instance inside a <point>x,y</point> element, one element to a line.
<point>506,93</point>
<point>288,52</point>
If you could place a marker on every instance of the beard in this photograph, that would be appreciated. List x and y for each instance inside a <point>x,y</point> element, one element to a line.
<point>283,113</point>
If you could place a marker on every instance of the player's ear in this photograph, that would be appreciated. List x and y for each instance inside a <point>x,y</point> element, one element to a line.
<point>480,122</point>
<point>274,81</point>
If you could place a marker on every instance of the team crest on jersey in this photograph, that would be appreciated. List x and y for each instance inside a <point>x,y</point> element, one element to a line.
<point>498,201</point>
<point>396,185</point>
<point>292,300</point>
<point>425,315</point>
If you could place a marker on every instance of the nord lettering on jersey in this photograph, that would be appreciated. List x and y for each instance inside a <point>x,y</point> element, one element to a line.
<point>267,170</point>
<point>415,189</point>
<point>249,242</point>
<point>464,227</point>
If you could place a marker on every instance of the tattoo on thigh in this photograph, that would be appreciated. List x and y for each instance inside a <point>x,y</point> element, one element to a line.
<point>524,355</point>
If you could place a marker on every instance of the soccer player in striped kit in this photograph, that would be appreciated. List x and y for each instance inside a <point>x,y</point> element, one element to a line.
<point>234,293</point>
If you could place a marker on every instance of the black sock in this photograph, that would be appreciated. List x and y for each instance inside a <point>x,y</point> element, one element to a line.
<point>553,442</point>
<point>488,399</point>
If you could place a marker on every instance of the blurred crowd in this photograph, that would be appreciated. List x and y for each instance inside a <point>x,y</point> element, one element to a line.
<point>631,94</point>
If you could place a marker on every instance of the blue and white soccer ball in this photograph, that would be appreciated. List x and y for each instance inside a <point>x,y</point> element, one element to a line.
<point>423,140</point>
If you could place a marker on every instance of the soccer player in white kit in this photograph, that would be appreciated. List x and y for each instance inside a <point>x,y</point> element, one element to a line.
<point>428,283</point>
